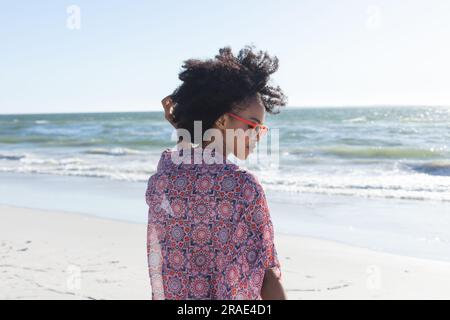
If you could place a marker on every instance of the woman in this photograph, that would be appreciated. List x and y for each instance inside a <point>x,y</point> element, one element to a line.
<point>210,235</point>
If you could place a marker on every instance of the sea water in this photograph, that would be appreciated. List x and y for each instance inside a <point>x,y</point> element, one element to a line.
<point>382,152</point>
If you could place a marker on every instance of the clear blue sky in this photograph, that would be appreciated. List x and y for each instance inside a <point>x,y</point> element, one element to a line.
<point>127,54</point>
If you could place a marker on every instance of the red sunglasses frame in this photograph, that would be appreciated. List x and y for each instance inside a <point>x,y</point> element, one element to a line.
<point>262,128</point>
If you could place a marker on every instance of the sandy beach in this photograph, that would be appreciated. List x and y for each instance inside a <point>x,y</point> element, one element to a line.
<point>58,255</point>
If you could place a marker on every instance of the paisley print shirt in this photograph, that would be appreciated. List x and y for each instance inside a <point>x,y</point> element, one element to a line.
<point>210,235</point>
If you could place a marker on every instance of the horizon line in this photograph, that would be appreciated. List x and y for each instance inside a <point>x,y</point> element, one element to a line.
<point>285,108</point>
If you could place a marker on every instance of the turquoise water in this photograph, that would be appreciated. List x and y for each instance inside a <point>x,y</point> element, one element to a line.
<point>371,152</point>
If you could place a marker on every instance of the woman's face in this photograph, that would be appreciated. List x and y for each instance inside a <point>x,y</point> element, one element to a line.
<point>244,137</point>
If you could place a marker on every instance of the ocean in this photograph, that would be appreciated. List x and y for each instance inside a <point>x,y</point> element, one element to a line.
<point>380,152</point>
<point>376,178</point>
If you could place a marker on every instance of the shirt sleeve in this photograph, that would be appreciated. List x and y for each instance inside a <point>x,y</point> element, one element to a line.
<point>260,248</point>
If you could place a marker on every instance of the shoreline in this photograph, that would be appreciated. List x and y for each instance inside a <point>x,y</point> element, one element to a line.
<point>49,254</point>
<point>279,234</point>
<point>404,227</point>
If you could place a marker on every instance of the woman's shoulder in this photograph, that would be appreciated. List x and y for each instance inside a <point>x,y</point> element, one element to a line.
<point>244,174</point>
<point>162,165</point>
<point>167,164</point>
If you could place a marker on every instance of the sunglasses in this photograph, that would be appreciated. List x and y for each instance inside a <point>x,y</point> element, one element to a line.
<point>259,128</point>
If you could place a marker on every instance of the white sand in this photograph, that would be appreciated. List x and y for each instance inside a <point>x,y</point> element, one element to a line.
<point>58,255</point>
<point>42,254</point>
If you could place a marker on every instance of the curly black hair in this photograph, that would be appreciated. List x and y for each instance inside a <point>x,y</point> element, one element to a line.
<point>213,87</point>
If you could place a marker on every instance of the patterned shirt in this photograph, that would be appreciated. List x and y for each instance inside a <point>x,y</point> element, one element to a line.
<point>210,235</point>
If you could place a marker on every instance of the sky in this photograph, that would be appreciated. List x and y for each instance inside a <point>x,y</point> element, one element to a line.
<point>102,56</point>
